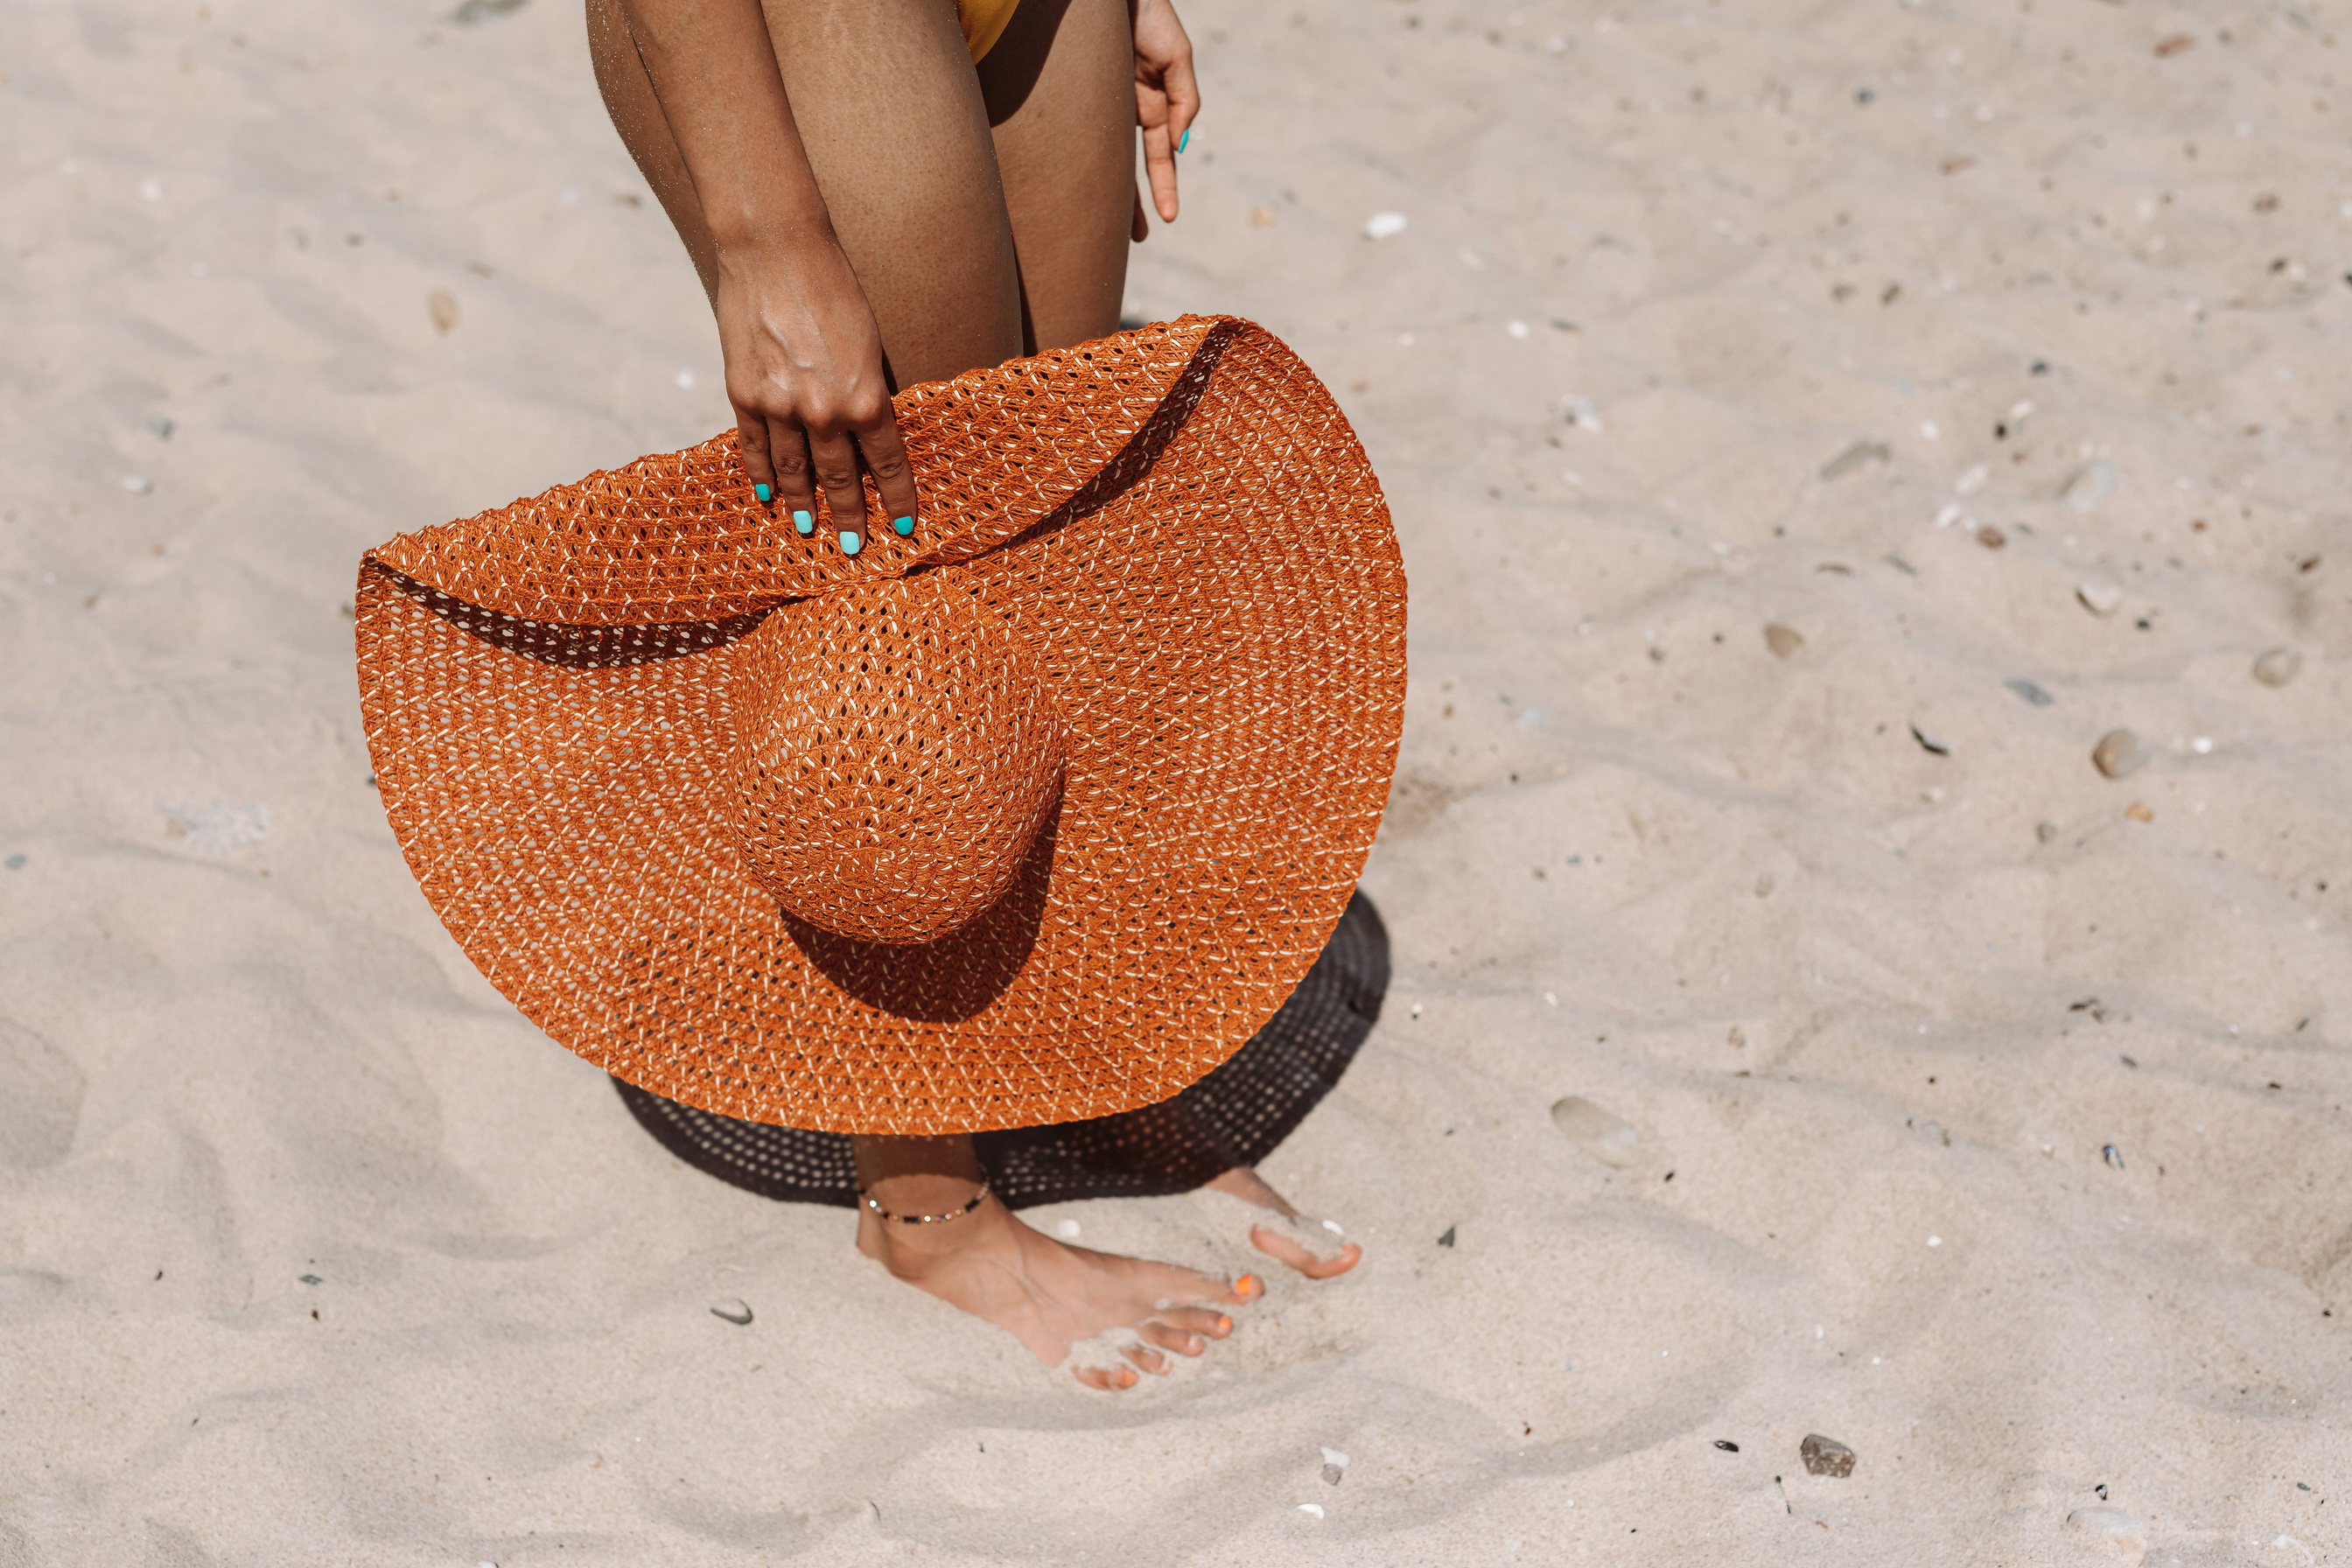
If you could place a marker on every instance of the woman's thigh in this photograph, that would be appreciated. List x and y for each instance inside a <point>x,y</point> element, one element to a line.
<point>1060,90</point>
<point>899,139</point>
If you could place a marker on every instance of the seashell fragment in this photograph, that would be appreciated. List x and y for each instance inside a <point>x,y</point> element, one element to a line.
<point>2100,598</point>
<point>1596,1131</point>
<point>2092,484</point>
<point>1854,457</point>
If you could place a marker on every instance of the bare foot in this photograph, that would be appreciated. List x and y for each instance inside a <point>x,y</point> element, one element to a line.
<point>1244,1183</point>
<point>1047,1293</point>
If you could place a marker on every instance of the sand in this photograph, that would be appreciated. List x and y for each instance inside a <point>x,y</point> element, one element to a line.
<point>1705,321</point>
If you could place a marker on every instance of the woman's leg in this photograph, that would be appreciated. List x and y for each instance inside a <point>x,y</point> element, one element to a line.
<point>897,136</point>
<point>1060,91</point>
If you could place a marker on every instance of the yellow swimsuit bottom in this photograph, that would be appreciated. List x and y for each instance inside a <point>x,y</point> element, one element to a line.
<point>984,23</point>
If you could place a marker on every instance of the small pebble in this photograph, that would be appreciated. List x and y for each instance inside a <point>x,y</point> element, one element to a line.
<point>441,306</point>
<point>734,1309</point>
<point>1726,1445</point>
<point>15,862</point>
<point>1854,457</point>
<point>1971,481</point>
<point>2112,1155</point>
<point>1067,1230</point>
<point>1928,744</point>
<point>162,426</point>
<point>2100,598</point>
<point>2118,753</point>
<point>312,1280</point>
<point>2140,811</point>
<point>1447,1239</point>
<point>1784,641</point>
<point>2091,484</point>
<point>2030,692</point>
<point>1332,1474</point>
<point>2278,667</point>
<point>1314,1508</point>
<point>1825,1455</point>
<point>2047,832</point>
<point>1991,537</point>
<point>1384,225</point>
<point>1596,1131</point>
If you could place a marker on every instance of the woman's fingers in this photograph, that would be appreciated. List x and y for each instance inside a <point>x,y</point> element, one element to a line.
<point>835,457</point>
<point>893,476</point>
<point>788,455</point>
<point>751,441</point>
<point>1167,96</point>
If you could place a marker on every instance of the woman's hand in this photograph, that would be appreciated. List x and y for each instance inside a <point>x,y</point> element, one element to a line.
<point>1167,97</point>
<point>804,372</point>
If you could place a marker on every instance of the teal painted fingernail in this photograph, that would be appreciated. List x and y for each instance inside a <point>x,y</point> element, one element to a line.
<point>905,525</point>
<point>1180,141</point>
<point>764,492</point>
<point>804,522</point>
<point>851,544</point>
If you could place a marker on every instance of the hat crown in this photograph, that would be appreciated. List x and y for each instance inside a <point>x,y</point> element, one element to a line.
<point>896,755</point>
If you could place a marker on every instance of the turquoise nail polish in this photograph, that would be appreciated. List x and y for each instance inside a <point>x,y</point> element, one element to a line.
<point>851,544</point>
<point>764,492</point>
<point>804,522</point>
<point>905,525</point>
<point>1182,140</point>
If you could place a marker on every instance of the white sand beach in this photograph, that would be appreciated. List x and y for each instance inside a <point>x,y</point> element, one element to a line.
<point>1811,429</point>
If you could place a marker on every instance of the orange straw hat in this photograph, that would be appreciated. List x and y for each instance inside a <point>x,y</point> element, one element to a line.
<point>1035,816</point>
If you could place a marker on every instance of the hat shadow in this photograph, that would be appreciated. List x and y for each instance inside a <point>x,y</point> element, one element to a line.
<point>956,976</point>
<point>1236,1116</point>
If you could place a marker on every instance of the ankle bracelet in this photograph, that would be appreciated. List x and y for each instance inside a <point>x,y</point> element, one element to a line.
<point>977,1199</point>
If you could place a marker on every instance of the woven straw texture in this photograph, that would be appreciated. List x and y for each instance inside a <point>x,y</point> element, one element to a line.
<point>1035,818</point>
<point>1238,1115</point>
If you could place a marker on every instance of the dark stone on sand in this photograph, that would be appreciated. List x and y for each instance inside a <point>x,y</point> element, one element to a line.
<point>2030,692</point>
<point>735,1310</point>
<point>1447,1239</point>
<point>1332,1474</point>
<point>1726,1445</point>
<point>2112,1155</point>
<point>1825,1455</point>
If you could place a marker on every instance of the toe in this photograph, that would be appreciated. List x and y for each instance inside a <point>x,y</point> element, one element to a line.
<point>1203,1320</point>
<point>1150,1360</point>
<point>1169,1338</point>
<point>1108,1378</point>
<point>1274,1244</point>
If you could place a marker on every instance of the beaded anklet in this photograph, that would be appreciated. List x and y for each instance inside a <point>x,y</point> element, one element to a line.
<point>977,1199</point>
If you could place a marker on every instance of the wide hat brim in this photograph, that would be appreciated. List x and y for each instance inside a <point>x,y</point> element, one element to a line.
<point>1184,532</point>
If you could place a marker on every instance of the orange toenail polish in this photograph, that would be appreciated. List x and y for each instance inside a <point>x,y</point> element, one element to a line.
<point>1248,1287</point>
<point>1224,1325</point>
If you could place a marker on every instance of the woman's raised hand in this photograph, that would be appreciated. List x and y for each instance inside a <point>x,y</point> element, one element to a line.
<point>1166,98</point>
<point>805,374</point>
